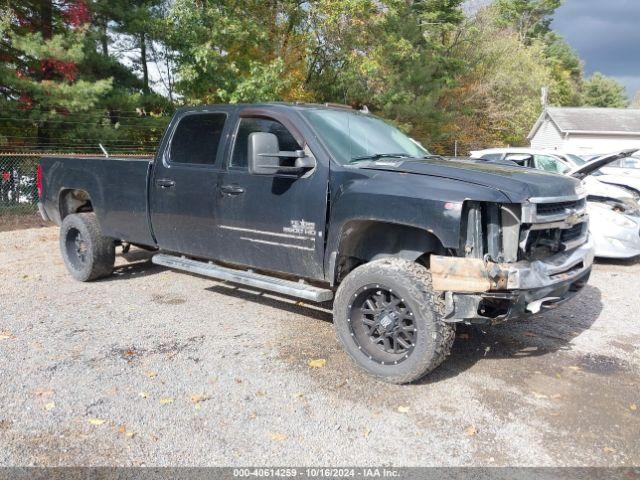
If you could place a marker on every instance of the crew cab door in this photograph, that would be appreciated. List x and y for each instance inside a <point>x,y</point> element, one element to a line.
<point>184,183</point>
<point>272,222</point>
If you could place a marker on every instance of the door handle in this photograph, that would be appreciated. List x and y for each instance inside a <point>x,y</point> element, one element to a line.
<point>165,183</point>
<point>232,189</point>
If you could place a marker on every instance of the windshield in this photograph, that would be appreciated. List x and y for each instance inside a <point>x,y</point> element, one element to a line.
<point>353,136</point>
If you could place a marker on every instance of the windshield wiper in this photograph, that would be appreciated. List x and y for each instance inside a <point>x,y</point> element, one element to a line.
<point>378,156</point>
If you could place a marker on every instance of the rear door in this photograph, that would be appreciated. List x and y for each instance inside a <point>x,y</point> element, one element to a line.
<point>185,179</point>
<point>272,222</point>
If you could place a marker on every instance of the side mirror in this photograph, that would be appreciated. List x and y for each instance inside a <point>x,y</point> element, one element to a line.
<point>265,157</point>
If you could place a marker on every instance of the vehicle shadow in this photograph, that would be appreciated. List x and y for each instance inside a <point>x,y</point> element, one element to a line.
<point>138,265</point>
<point>544,334</point>
<point>548,333</point>
<point>317,312</point>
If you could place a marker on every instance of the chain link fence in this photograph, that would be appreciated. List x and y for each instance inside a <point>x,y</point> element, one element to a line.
<point>18,183</point>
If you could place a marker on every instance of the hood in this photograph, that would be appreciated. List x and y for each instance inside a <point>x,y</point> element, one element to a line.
<point>596,164</point>
<point>517,183</point>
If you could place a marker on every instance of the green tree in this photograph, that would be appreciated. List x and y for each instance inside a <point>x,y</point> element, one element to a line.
<point>602,91</point>
<point>529,18</point>
<point>42,43</point>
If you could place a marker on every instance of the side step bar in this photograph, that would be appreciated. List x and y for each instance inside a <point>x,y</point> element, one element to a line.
<point>244,277</point>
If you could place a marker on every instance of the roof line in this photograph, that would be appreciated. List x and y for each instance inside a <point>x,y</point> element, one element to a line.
<point>538,124</point>
<point>602,132</point>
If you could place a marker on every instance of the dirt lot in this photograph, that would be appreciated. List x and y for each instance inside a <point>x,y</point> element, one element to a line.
<point>152,367</point>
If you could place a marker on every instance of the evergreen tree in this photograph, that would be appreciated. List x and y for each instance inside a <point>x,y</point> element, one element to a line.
<point>42,43</point>
<point>602,91</point>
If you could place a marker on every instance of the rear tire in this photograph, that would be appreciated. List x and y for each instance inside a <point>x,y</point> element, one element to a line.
<point>87,254</point>
<point>390,321</point>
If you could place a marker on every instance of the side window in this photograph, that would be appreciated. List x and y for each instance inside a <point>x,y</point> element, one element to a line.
<point>247,126</point>
<point>550,164</point>
<point>197,138</point>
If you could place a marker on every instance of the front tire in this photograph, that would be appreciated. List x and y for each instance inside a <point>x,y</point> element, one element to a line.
<point>390,321</point>
<point>87,254</point>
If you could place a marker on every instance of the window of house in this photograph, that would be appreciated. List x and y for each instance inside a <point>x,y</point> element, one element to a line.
<point>197,138</point>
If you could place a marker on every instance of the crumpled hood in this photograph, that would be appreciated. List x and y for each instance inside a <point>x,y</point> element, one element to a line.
<point>517,183</point>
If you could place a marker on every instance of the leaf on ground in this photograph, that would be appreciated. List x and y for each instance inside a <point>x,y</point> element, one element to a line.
<point>96,421</point>
<point>166,401</point>
<point>367,432</point>
<point>199,398</point>
<point>403,409</point>
<point>471,431</point>
<point>317,363</point>
<point>151,374</point>
<point>129,434</point>
<point>608,450</point>
<point>122,429</point>
<point>539,395</point>
<point>49,406</point>
<point>298,395</point>
<point>556,396</point>
<point>261,393</point>
<point>633,407</point>
<point>5,335</point>
<point>278,437</point>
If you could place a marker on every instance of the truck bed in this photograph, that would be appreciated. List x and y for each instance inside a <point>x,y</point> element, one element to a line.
<point>118,188</point>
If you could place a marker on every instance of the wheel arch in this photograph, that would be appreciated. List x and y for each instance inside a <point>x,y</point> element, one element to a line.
<point>73,200</point>
<point>362,241</point>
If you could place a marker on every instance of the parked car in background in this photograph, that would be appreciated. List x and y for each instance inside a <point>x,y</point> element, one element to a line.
<point>562,162</point>
<point>614,210</point>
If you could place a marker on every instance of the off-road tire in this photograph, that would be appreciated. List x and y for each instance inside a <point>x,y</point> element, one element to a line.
<point>99,252</point>
<point>434,337</point>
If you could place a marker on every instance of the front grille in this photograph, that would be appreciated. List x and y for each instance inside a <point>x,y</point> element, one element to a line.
<point>559,208</point>
<point>573,233</point>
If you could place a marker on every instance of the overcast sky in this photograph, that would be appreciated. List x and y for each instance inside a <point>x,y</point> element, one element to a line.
<point>606,34</point>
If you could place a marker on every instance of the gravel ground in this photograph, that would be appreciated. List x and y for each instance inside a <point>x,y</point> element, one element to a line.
<point>153,367</point>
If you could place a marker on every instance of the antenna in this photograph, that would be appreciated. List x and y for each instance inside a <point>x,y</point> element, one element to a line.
<point>104,150</point>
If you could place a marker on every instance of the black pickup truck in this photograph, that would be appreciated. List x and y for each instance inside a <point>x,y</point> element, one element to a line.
<point>326,203</point>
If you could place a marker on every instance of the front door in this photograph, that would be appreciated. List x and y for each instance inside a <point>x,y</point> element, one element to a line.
<point>184,185</point>
<point>272,222</point>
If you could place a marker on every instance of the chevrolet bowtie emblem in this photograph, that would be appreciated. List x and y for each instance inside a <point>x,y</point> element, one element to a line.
<point>573,219</point>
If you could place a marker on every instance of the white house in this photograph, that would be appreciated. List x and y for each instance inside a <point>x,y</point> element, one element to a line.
<point>587,130</point>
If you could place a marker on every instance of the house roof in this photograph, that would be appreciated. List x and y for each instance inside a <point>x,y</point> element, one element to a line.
<point>585,120</point>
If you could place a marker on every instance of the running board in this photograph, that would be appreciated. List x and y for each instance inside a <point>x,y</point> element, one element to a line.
<point>245,277</point>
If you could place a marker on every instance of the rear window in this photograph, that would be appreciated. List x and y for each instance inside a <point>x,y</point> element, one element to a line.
<point>197,138</point>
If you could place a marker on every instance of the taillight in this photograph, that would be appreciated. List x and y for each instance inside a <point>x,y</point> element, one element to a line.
<point>39,180</point>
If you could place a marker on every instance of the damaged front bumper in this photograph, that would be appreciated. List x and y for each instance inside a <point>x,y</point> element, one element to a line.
<point>487,292</point>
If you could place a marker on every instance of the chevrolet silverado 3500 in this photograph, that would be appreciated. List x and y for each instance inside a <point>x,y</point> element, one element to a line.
<point>330,204</point>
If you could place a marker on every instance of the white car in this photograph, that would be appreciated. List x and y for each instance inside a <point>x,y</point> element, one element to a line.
<point>614,210</point>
